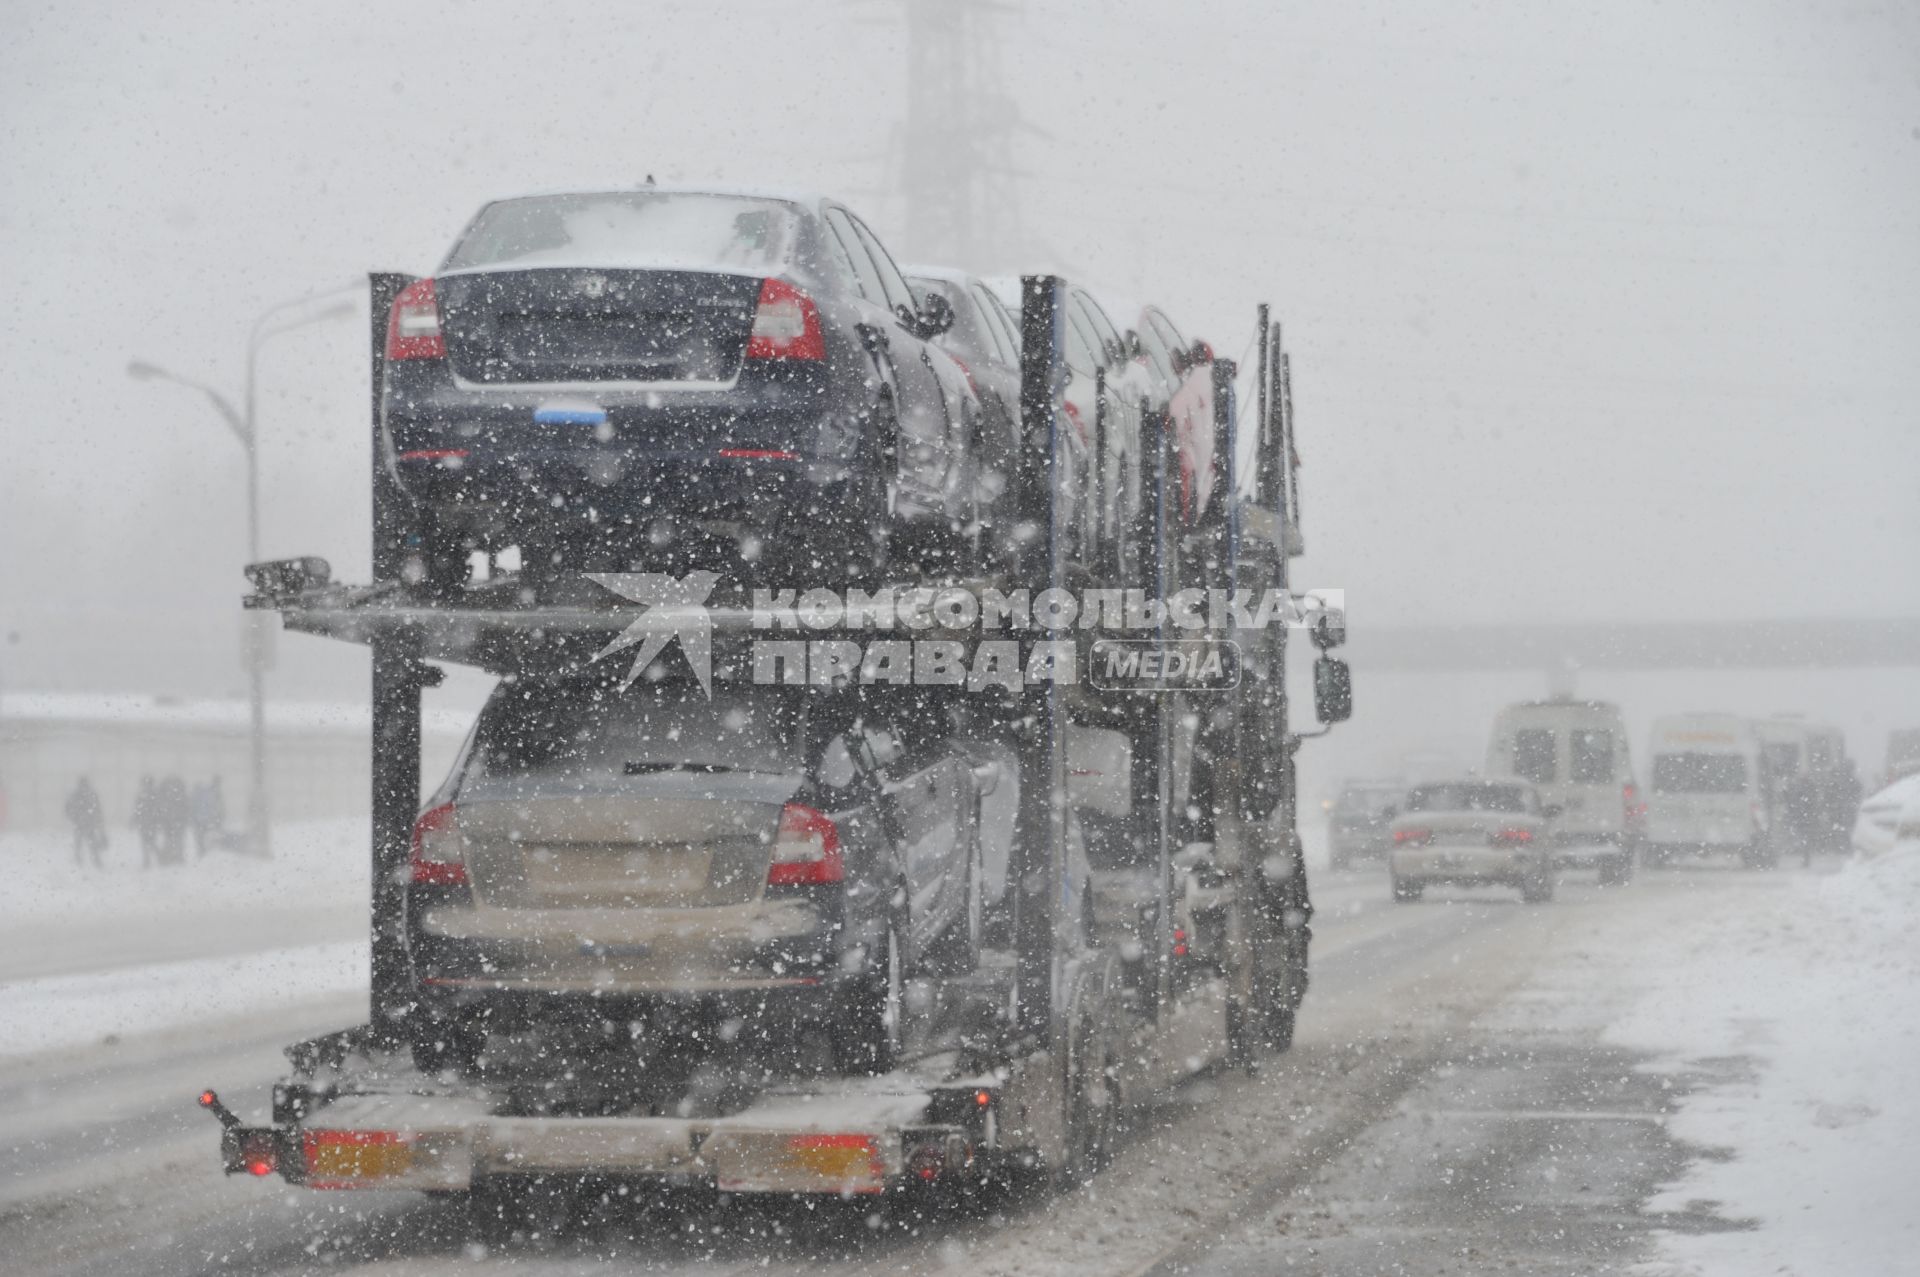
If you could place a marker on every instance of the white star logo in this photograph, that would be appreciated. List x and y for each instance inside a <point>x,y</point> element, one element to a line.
<point>675,609</point>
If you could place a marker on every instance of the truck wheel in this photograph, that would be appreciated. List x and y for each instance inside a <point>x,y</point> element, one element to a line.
<point>1092,1114</point>
<point>1408,891</point>
<point>1760,854</point>
<point>1536,890</point>
<point>868,1038</point>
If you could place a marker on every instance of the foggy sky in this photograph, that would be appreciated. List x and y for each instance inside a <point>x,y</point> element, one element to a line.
<point>1598,313</point>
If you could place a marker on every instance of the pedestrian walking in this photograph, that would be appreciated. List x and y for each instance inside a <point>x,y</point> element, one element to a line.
<point>89,824</point>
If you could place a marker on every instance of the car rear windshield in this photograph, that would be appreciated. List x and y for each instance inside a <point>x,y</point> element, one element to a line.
<point>1468,798</point>
<point>643,229</point>
<point>596,734</point>
<point>1693,773</point>
<point>1534,755</point>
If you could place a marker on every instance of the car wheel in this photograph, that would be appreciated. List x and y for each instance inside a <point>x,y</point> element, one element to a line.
<point>1537,890</point>
<point>446,1044</point>
<point>869,1039</point>
<point>1408,890</point>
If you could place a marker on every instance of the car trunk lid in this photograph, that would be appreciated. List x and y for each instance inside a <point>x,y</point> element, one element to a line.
<point>507,327</point>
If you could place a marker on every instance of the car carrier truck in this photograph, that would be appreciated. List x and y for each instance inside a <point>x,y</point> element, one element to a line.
<point>1143,944</point>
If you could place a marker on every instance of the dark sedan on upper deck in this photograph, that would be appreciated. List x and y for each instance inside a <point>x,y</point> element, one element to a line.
<point>640,377</point>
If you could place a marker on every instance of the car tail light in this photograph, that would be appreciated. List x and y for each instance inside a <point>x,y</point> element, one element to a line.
<point>1413,837</point>
<point>413,331</point>
<point>1512,837</point>
<point>806,851</point>
<point>438,859</point>
<point>786,324</point>
<point>1630,798</point>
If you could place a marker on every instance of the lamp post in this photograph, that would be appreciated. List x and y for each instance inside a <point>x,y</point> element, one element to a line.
<point>244,427</point>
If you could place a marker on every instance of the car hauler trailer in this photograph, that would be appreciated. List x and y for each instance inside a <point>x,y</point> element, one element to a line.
<point>1110,986</point>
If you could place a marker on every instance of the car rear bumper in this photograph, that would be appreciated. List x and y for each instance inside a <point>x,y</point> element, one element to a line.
<point>1465,864</point>
<point>764,451</point>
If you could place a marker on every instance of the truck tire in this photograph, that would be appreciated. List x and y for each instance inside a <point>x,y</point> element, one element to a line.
<point>1408,891</point>
<point>1537,889</point>
<point>868,1037</point>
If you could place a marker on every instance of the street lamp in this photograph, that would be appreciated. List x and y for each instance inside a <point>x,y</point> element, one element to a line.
<point>244,426</point>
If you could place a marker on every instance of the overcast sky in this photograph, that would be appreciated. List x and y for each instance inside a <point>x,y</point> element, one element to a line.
<point>1596,311</point>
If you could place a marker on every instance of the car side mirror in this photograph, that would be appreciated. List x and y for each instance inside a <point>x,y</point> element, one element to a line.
<point>936,315</point>
<point>1332,690</point>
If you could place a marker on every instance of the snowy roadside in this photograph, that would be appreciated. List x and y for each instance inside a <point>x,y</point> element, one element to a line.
<point>1787,1009</point>
<point>72,1011</point>
<point>86,955</point>
<point>315,863</point>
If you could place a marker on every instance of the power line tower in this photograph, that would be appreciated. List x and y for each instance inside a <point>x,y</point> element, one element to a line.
<point>955,152</point>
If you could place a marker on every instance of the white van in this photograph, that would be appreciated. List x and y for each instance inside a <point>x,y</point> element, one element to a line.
<point>1708,791</point>
<point>1574,753</point>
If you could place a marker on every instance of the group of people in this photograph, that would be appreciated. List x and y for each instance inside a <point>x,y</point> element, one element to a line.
<point>165,811</point>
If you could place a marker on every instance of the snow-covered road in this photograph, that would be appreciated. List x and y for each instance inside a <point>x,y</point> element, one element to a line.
<point>1477,1086</point>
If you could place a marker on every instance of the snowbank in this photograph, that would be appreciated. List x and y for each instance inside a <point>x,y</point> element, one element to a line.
<point>318,863</point>
<point>1805,1003</point>
<point>71,1011</point>
<point>1889,817</point>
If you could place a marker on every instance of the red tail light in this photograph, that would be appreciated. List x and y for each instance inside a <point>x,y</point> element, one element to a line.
<point>1413,837</point>
<point>806,851</point>
<point>1512,837</point>
<point>786,324</point>
<point>439,859</point>
<point>413,331</point>
<point>1630,798</point>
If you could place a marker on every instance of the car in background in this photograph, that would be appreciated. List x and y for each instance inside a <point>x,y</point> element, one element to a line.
<point>649,856</point>
<point>1813,792</point>
<point>1707,793</point>
<point>1184,371</point>
<point>1359,823</point>
<point>1472,833</point>
<point>1574,753</point>
<point>651,376</point>
<point>985,341</point>
<point>1889,818</point>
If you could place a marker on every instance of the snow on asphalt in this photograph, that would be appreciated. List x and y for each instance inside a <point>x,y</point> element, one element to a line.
<point>188,944</point>
<point>1791,1004</point>
<point>315,863</point>
<point>68,1011</point>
